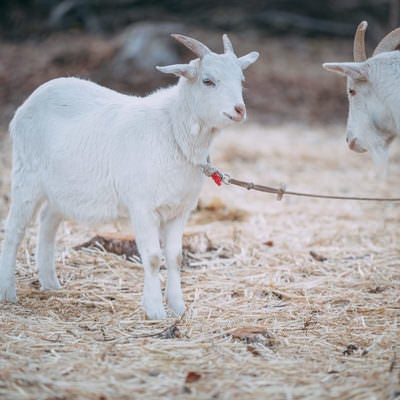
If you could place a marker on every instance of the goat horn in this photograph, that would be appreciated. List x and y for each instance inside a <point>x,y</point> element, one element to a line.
<point>197,47</point>
<point>228,48</point>
<point>389,42</point>
<point>359,52</point>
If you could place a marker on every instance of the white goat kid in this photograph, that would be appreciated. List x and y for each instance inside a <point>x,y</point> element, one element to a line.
<point>85,152</point>
<point>373,91</point>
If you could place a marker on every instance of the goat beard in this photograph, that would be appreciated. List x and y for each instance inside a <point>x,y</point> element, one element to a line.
<point>380,155</point>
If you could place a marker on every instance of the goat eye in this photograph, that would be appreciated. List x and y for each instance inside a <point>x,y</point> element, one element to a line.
<point>352,92</point>
<point>208,82</point>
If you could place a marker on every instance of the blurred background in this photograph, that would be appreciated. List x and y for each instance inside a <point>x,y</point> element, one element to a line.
<point>117,43</point>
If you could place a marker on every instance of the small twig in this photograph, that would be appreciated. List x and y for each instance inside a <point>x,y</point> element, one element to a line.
<point>393,363</point>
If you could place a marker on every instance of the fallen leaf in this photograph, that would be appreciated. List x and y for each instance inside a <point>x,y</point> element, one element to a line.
<point>237,293</point>
<point>253,334</point>
<point>317,257</point>
<point>192,377</point>
<point>35,284</point>
<point>171,333</point>
<point>217,210</point>
<point>377,289</point>
<point>310,322</point>
<point>119,244</point>
<point>350,349</point>
<point>253,350</point>
<point>245,332</point>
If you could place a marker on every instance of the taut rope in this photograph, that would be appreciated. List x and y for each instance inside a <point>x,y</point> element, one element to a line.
<point>219,177</point>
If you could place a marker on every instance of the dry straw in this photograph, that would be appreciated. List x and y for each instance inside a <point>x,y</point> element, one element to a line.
<point>266,319</point>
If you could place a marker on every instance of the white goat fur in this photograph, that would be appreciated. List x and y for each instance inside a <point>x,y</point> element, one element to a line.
<point>373,91</point>
<point>88,153</point>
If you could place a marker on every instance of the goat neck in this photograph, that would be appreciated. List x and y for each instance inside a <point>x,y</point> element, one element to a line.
<point>192,135</point>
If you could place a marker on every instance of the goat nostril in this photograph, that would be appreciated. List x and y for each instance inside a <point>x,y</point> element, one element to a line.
<point>240,109</point>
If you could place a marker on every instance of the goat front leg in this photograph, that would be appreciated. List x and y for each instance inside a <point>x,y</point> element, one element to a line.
<point>147,231</point>
<point>173,232</point>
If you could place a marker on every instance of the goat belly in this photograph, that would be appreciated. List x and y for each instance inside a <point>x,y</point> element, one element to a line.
<point>89,202</point>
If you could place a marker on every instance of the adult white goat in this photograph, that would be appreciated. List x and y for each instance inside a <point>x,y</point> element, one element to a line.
<point>373,92</point>
<point>88,153</point>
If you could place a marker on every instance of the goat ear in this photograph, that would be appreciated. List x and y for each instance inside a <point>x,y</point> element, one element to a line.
<point>248,59</point>
<point>354,70</point>
<point>185,70</point>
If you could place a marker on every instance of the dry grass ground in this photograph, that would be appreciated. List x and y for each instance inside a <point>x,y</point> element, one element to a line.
<point>265,319</point>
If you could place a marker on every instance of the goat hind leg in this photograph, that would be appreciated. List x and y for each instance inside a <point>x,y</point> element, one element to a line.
<point>49,222</point>
<point>20,215</point>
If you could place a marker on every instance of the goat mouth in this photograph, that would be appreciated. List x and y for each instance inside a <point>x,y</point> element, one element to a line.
<point>355,146</point>
<point>358,149</point>
<point>235,119</point>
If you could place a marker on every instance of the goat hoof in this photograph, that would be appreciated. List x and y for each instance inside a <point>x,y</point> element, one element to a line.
<point>177,306</point>
<point>44,286</point>
<point>156,314</point>
<point>155,311</point>
<point>50,282</point>
<point>8,294</point>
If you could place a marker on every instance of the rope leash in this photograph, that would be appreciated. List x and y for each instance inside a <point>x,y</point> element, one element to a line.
<point>219,178</point>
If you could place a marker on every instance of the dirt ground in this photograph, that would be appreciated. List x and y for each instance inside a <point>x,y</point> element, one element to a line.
<point>266,318</point>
